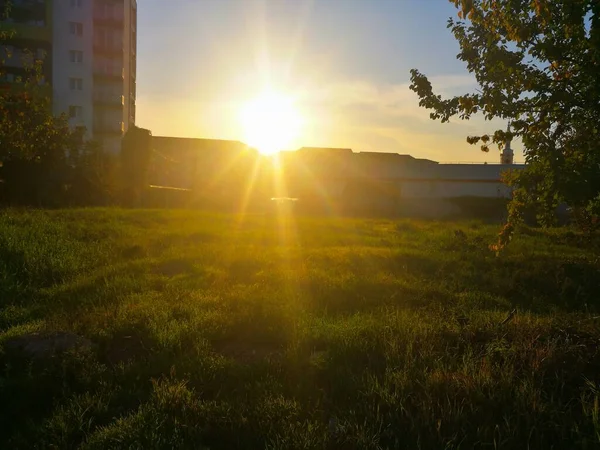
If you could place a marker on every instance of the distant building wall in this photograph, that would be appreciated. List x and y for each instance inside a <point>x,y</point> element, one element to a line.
<point>325,179</point>
<point>454,188</point>
<point>199,163</point>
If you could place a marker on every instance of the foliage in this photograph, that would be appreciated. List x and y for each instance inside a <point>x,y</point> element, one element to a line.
<point>537,64</point>
<point>28,130</point>
<point>33,143</point>
<point>44,162</point>
<point>6,32</point>
<point>224,332</point>
<point>94,176</point>
<point>37,149</point>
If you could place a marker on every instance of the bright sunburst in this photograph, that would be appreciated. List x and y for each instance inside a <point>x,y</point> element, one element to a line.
<point>271,122</point>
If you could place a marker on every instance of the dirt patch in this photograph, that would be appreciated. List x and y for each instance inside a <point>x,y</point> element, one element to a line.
<point>46,345</point>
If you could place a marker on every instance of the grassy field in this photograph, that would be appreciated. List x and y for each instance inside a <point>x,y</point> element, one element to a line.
<point>207,331</point>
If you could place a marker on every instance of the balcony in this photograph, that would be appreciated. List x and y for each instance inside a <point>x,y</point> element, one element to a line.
<point>109,74</point>
<point>30,20</point>
<point>9,85</point>
<point>103,48</point>
<point>108,100</point>
<point>109,21</point>
<point>109,128</point>
<point>30,32</point>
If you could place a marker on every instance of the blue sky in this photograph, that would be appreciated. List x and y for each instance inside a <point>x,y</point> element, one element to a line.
<point>346,61</point>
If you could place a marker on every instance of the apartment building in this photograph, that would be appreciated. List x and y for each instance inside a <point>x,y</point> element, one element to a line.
<point>89,51</point>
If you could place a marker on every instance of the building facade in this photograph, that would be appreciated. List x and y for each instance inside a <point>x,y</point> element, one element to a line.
<point>89,51</point>
<point>329,179</point>
<point>342,172</point>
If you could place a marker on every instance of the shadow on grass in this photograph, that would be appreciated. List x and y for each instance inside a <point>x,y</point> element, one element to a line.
<point>364,296</point>
<point>30,387</point>
<point>543,285</point>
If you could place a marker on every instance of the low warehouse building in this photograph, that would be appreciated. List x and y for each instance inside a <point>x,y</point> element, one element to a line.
<point>335,178</point>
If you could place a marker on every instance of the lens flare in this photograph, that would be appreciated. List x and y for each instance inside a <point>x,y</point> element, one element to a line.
<point>271,122</point>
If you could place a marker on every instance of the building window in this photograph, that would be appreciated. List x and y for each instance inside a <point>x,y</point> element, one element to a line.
<point>76,3</point>
<point>76,56</point>
<point>75,112</point>
<point>75,84</point>
<point>76,28</point>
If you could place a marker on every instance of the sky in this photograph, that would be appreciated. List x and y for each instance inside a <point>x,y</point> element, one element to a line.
<point>345,62</point>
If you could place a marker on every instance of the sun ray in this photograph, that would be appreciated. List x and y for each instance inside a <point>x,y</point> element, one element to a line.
<point>249,189</point>
<point>287,228</point>
<point>224,170</point>
<point>310,179</point>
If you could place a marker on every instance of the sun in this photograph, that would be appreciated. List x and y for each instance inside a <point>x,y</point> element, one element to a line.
<point>271,122</point>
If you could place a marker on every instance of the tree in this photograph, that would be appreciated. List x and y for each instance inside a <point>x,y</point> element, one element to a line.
<point>537,63</point>
<point>33,148</point>
<point>35,145</point>
<point>136,152</point>
<point>93,176</point>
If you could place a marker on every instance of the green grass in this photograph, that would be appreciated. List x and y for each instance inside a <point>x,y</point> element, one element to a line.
<point>218,332</point>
